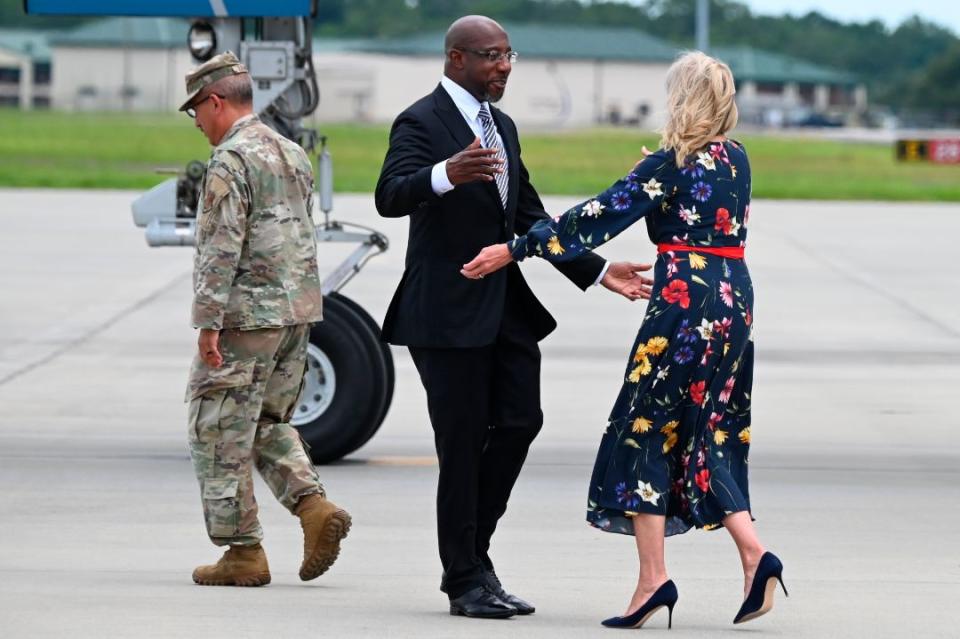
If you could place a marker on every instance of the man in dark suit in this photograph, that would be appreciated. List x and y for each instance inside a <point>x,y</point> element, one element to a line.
<point>454,168</point>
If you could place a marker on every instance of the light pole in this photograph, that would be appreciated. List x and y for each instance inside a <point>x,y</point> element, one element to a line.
<point>703,25</point>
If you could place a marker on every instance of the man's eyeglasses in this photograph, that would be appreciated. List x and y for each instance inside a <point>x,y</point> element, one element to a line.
<point>192,111</point>
<point>492,55</point>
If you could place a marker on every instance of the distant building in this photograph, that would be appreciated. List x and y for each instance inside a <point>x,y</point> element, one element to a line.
<point>24,69</point>
<point>777,90</point>
<point>566,76</point>
<point>121,64</point>
<point>577,76</point>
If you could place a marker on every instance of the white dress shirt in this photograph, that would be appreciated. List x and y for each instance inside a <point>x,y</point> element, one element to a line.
<point>469,108</point>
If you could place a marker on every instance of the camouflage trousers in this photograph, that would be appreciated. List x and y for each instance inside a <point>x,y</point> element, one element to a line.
<point>239,418</point>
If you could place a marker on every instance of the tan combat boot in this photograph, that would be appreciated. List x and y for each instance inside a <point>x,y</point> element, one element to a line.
<point>324,525</point>
<point>239,566</point>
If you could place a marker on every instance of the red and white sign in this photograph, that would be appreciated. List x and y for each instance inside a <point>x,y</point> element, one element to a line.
<point>944,151</point>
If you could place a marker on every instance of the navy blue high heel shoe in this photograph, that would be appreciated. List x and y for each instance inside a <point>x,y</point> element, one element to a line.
<point>759,600</point>
<point>665,596</point>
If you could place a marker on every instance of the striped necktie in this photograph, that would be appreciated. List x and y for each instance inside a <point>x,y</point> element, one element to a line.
<point>490,141</point>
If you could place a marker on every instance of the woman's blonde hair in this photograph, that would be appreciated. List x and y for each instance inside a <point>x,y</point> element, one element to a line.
<point>700,104</point>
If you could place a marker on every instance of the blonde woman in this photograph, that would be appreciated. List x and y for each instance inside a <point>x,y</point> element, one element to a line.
<point>674,453</point>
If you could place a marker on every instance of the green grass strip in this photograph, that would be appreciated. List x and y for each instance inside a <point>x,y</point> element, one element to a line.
<point>118,150</point>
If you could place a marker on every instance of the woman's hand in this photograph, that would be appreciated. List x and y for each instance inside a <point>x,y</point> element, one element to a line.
<point>491,259</point>
<point>646,153</point>
<point>624,278</point>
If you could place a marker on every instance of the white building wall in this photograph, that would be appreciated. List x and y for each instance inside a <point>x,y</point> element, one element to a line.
<point>94,79</point>
<point>10,58</point>
<point>366,87</point>
<point>632,85</point>
<point>370,87</point>
<point>540,93</point>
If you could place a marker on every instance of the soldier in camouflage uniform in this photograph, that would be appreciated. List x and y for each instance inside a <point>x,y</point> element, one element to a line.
<point>256,291</point>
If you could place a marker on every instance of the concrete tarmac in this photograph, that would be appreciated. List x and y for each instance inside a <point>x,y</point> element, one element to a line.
<point>854,461</point>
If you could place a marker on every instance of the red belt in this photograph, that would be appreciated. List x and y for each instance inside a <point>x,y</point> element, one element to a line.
<point>732,252</point>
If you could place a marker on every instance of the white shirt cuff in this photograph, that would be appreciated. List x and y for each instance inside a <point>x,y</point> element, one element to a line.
<point>603,272</point>
<point>439,180</point>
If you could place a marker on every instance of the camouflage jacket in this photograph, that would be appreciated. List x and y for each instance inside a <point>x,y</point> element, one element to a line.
<point>256,258</point>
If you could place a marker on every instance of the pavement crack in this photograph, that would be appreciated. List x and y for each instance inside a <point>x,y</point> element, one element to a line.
<point>96,330</point>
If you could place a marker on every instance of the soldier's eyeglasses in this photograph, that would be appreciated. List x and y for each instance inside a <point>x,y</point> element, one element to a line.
<point>493,56</point>
<point>192,111</point>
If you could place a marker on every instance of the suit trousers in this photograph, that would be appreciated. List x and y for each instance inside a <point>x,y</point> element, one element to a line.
<point>484,406</point>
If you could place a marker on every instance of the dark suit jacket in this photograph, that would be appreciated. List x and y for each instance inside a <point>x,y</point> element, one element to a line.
<point>434,305</point>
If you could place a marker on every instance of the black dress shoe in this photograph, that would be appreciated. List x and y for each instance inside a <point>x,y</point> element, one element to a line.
<point>480,602</point>
<point>493,583</point>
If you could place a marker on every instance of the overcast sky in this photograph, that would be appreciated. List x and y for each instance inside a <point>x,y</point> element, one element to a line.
<point>946,13</point>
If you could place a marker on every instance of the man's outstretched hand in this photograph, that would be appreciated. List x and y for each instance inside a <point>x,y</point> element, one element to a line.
<point>474,164</point>
<point>624,278</point>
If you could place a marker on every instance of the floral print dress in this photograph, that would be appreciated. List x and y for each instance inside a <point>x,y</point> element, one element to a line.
<point>678,436</point>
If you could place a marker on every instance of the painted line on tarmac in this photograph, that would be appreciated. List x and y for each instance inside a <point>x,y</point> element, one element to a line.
<point>850,274</point>
<point>86,337</point>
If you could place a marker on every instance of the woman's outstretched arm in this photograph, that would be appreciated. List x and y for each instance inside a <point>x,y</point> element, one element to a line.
<point>598,220</point>
<point>588,224</point>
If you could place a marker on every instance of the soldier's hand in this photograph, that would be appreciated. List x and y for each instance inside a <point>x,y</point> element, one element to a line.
<point>209,345</point>
<point>474,164</point>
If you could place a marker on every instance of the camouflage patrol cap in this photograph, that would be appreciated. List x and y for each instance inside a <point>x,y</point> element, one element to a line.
<point>216,68</point>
